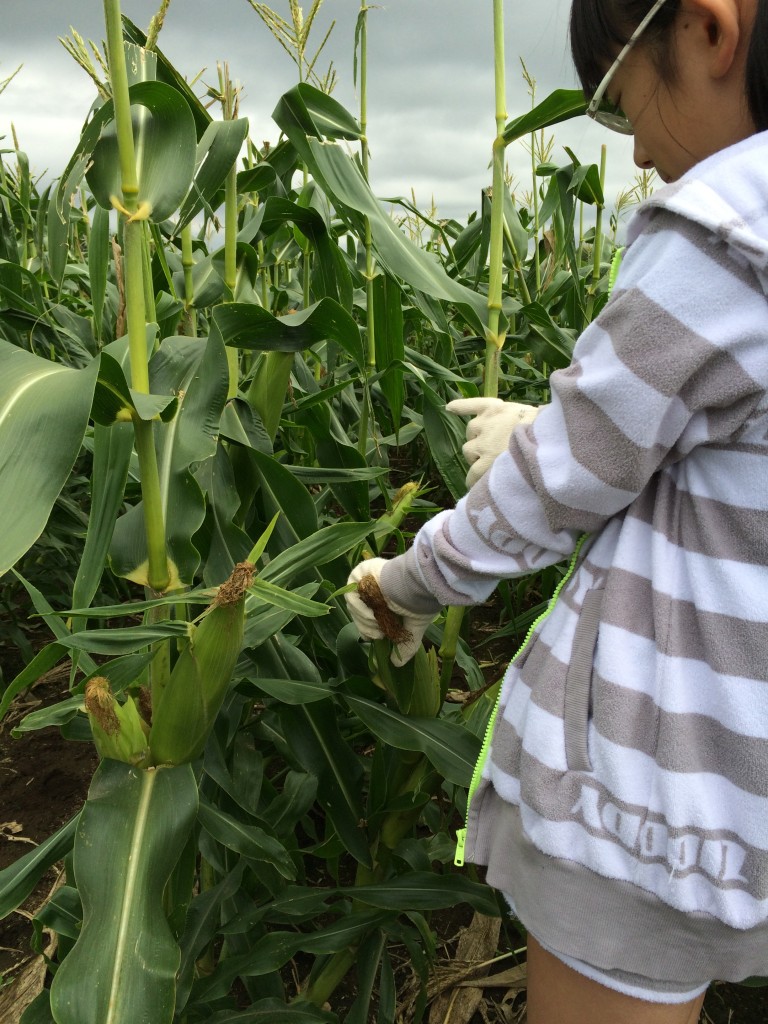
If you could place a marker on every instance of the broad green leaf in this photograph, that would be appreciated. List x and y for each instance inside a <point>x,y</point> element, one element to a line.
<point>165,143</point>
<point>39,1010</point>
<point>201,926</point>
<point>62,913</point>
<point>216,152</point>
<point>120,672</point>
<point>386,319</point>
<point>445,435</point>
<point>326,475</point>
<point>300,116</point>
<point>248,840</point>
<point>331,277</point>
<point>123,640</point>
<point>264,621</point>
<point>166,72</point>
<point>315,113</point>
<point>226,544</point>
<point>318,746</point>
<point>130,834</point>
<point>44,660</point>
<point>276,949</point>
<point>366,968</point>
<point>319,549</point>
<point>196,370</point>
<point>98,263</point>
<point>298,794</point>
<point>426,890</point>
<point>247,326</point>
<point>293,691</point>
<point>115,399</point>
<point>353,494</point>
<point>559,340</point>
<point>561,105</point>
<point>282,492</point>
<point>274,1011</point>
<point>241,424</point>
<point>404,259</point>
<point>450,748</point>
<point>286,599</point>
<point>112,447</point>
<point>20,879</point>
<point>44,409</point>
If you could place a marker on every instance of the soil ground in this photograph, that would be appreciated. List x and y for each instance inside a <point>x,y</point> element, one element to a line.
<point>44,780</point>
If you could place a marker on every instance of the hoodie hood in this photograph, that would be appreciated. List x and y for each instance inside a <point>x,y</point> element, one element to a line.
<point>728,195</point>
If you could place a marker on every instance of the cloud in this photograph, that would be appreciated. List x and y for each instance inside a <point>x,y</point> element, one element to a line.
<point>430,93</point>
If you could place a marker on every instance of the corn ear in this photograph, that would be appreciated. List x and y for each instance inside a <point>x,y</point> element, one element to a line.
<point>415,686</point>
<point>119,731</point>
<point>426,698</point>
<point>390,521</point>
<point>200,678</point>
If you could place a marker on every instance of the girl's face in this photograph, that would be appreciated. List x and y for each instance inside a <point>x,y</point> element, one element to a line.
<point>702,108</point>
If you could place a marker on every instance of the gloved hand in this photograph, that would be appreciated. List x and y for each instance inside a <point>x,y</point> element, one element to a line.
<point>403,627</point>
<point>489,432</point>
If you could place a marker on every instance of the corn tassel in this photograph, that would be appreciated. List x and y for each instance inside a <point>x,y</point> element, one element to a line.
<point>199,680</point>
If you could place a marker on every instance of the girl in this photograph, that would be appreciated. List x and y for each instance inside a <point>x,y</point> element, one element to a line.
<point>622,803</point>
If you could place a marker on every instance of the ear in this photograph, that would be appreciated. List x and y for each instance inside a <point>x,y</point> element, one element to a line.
<point>719,27</point>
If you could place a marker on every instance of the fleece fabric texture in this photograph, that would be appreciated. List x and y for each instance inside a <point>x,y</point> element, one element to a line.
<point>630,745</point>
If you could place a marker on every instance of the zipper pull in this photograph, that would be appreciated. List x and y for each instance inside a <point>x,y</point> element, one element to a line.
<point>461,842</point>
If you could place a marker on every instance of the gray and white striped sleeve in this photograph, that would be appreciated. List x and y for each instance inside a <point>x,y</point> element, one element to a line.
<point>677,359</point>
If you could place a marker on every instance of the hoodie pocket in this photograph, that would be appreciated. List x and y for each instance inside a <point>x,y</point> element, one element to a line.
<point>578,683</point>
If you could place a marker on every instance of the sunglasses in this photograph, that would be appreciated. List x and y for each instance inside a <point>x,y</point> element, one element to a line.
<point>615,118</point>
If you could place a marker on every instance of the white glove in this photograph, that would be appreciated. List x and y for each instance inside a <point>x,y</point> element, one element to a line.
<point>489,432</point>
<point>414,626</point>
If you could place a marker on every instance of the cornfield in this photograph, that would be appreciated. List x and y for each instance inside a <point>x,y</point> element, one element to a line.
<point>227,364</point>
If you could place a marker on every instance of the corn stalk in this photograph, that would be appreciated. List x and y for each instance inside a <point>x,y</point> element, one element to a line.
<point>133,243</point>
<point>496,332</point>
<point>370,368</point>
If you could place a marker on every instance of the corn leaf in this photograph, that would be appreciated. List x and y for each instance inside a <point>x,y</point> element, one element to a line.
<point>317,744</point>
<point>319,549</point>
<point>18,880</point>
<point>301,115</point>
<point>450,748</point>
<point>44,409</point>
<point>247,840</point>
<point>286,599</point>
<point>130,834</point>
<point>165,141</point>
<point>216,152</point>
<point>561,105</point>
<point>112,447</point>
<point>445,435</point>
<point>196,370</point>
<point>248,326</point>
<point>274,1011</point>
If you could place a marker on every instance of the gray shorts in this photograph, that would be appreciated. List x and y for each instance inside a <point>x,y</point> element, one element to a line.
<point>635,985</point>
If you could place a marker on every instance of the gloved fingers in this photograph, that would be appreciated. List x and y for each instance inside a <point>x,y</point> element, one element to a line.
<point>368,567</point>
<point>404,651</point>
<point>472,406</point>
<point>363,618</point>
<point>472,451</point>
<point>479,468</point>
<point>527,413</point>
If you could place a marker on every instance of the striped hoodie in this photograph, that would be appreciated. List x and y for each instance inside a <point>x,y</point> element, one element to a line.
<point>623,799</point>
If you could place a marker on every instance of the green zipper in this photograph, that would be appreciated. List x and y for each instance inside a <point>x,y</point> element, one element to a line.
<point>461,834</point>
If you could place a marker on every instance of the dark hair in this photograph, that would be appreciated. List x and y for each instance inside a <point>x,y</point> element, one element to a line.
<point>599,28</point>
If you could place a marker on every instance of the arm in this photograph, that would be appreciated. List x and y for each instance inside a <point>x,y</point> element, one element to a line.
<point>677,359</point>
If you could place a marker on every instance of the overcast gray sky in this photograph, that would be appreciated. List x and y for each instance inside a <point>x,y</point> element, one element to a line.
<point>431,102</point>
